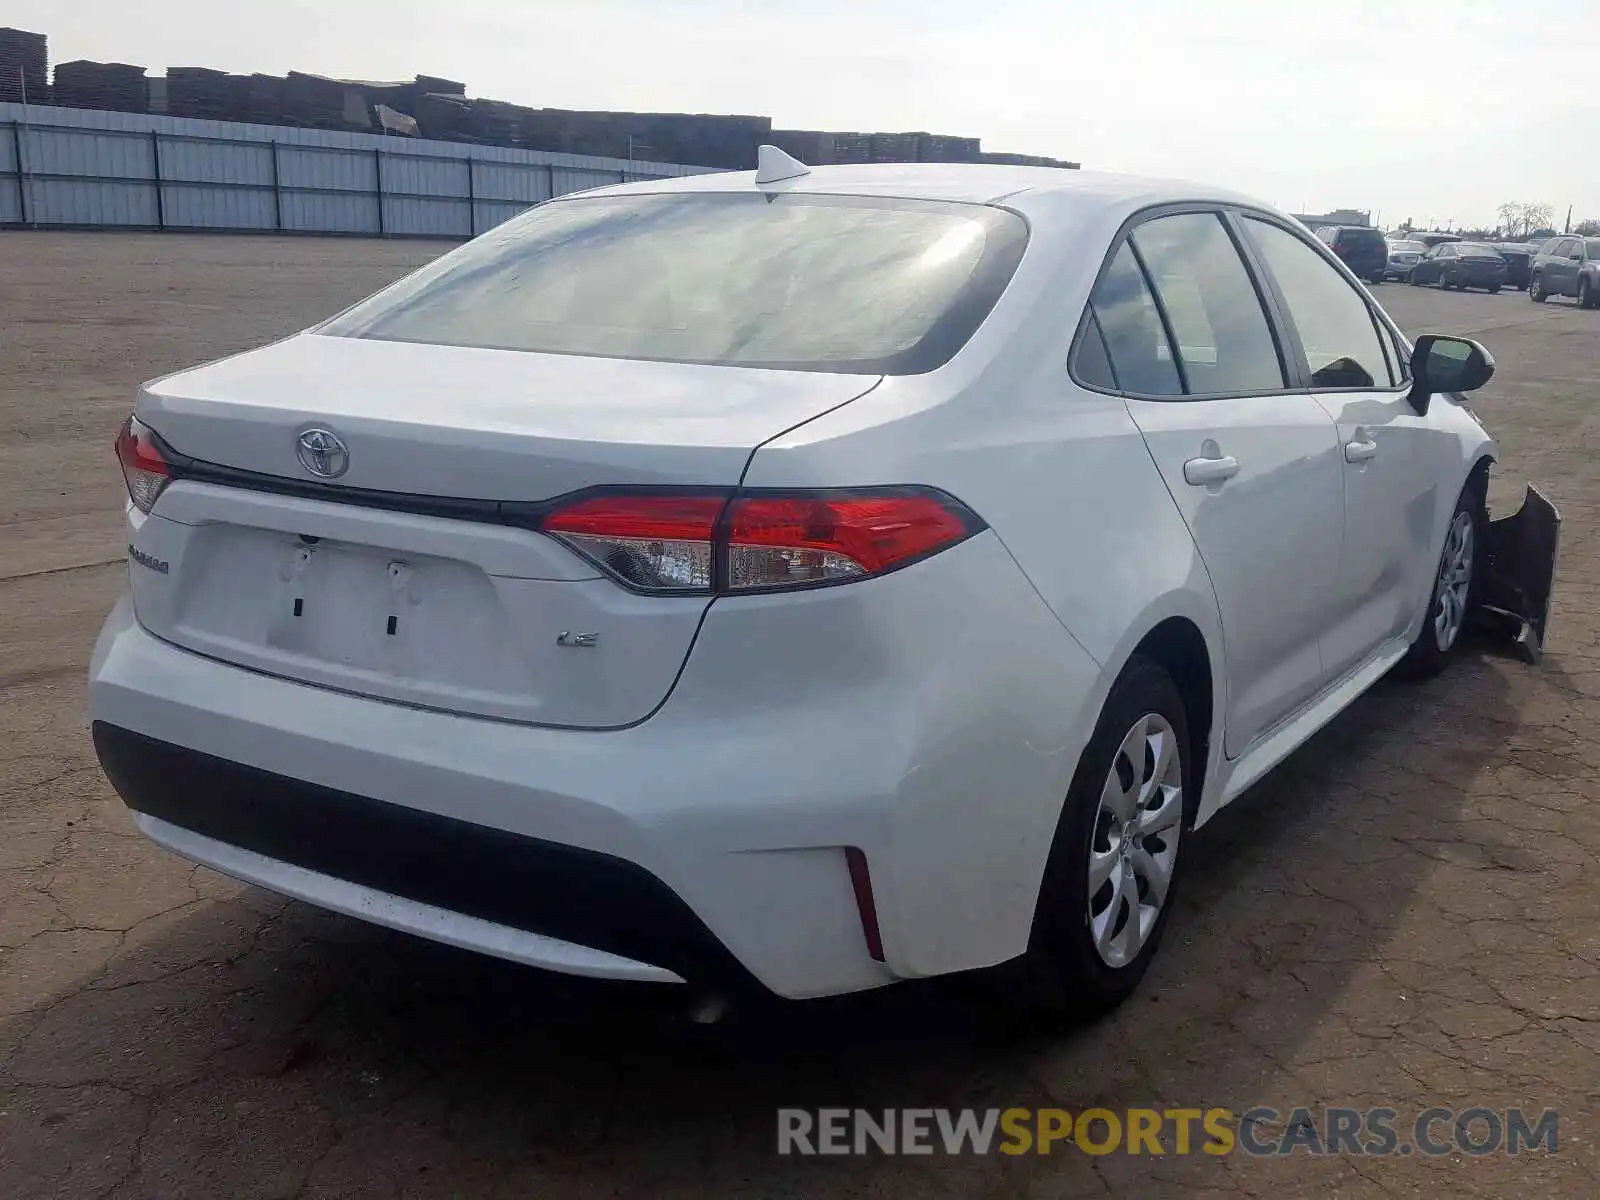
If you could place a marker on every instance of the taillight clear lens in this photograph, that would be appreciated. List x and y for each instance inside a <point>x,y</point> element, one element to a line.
<point>653,543</point>
<point>143,469</point>
<point>795,541</point>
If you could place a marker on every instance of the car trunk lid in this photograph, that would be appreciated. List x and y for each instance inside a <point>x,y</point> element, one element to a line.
<point>417,575</point>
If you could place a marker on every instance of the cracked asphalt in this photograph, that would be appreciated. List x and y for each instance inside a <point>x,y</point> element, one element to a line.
<point>1406,914</point>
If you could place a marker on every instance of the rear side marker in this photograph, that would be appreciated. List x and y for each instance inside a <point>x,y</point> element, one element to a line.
<point>861,882</point>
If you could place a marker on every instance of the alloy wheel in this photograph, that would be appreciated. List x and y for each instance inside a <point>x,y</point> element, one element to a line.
<point>1134,846</point>
<point>1455,581</point>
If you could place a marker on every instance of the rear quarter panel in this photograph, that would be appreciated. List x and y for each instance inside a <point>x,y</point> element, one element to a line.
<point>1061,474</point>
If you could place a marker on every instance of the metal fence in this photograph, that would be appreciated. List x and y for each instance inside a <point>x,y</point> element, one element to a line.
<point>77,168</point>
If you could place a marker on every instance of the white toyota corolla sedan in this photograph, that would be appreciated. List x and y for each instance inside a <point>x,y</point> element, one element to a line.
<point>804,580</point>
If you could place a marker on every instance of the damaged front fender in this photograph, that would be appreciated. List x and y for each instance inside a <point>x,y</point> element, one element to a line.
<point>1518,571</point>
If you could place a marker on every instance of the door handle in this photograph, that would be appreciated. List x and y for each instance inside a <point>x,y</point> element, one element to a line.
<point>1205,471</point>
<point>1359,452</point>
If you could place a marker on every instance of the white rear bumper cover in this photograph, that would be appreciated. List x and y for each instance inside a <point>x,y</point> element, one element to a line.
<point>931,718</point>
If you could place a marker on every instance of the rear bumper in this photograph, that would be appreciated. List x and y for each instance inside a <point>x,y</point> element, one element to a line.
<point>707,843</point>
<point>446,879</point>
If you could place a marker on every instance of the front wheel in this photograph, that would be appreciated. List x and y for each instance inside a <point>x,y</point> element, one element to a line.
<point>1444,282</point>
<point>1585,293</point>
<point>1454,588</point>
<point>1109,882</point>
<point>1536,291</point>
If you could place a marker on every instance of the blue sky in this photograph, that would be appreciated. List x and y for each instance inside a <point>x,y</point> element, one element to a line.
<point>1427,109</point>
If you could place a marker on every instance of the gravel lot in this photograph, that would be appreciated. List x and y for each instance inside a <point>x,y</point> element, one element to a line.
<point>1406,914</point>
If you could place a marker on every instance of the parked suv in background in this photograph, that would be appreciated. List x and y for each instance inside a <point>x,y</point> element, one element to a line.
<point>1363,249</point>
<point>1567,266</point>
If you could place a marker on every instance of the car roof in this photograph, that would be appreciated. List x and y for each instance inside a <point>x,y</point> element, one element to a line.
<point>973,183</point>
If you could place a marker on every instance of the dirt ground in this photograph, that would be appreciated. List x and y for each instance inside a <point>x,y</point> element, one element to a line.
<point>1406,914</point>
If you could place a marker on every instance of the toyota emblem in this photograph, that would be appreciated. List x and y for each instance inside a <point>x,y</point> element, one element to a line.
<point>323,453</point>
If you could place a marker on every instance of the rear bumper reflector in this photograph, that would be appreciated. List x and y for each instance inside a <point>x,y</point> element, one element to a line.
<point>861,881</point>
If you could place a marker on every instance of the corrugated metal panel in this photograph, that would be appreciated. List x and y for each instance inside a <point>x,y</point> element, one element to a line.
<point>427,218</point>
<point>492,212</point>
<point>505,181</point>
<point>37,115</point>
<point>71,152</point>
<point>343,170</point>
<point>216,208</point>
<point>215,162</point>
<point>321,212</point>
<point>425,176</point>
<point>91,202</point>
<point>313,166</point>
<point>575,179</point>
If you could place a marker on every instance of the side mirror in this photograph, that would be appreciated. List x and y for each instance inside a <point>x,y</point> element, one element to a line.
<point>1447,364</point>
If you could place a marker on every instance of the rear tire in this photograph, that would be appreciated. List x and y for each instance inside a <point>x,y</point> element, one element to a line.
<point>1444,282</point>
<point>1585,294</point>
<point>1089,949</point>
<point>1494,289</point>
<point>1536,291</point>
<point>1453,592</point>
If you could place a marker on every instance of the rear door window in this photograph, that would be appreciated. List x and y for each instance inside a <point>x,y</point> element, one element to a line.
<point>1224,342</point>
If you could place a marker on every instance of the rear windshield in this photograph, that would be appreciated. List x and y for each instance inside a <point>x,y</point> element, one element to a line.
<point>1476,250</point>
<point>812,283</point>
<point>1361,235</point>
<point>1408,247</point>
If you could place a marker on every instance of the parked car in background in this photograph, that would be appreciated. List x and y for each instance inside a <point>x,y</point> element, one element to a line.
<point>1363,249</point>
<point>1431,240</point>
<point>1519,258</point>
<point>1461,265</point>
<point>1567,266</point>
<point>495,608</point>
<point>1403,255</point>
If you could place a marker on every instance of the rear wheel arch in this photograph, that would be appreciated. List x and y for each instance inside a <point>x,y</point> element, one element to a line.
<point>1179,648</point>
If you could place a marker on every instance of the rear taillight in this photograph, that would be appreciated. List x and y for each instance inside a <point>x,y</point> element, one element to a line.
<point>784,541</point>
<point>759,541</point>
<point>652,543</point>
<point>143,469</point>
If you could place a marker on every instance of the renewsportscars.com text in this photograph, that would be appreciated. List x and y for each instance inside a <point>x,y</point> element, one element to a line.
<point>1259,1131</point>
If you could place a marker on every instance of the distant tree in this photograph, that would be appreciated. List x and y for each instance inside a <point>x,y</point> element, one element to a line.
<point>1522,220</point>
<point>1589,227</point>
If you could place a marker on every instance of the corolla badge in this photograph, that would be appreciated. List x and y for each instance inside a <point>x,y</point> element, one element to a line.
<point>323,453</point>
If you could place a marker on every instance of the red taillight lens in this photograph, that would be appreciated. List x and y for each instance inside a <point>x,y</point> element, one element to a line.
<point>683,543</point>
<point>653,543</point>
<point>143,469</point>
<point>787,541</point>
